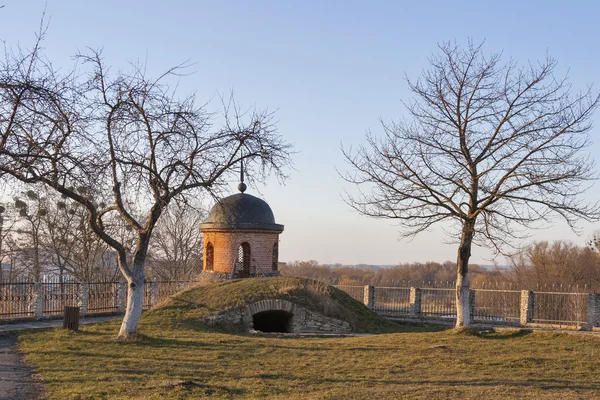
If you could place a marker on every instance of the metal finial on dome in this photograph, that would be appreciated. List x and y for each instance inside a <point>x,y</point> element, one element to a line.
<point>242,186</point>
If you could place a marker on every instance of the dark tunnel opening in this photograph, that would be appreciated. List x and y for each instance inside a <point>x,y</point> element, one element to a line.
<point>273,321</point>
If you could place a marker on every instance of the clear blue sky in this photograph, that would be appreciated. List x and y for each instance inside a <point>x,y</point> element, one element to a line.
<point>331,69</point>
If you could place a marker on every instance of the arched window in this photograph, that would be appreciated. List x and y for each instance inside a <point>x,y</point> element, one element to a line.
<point>275,259</point>
<point>243,261</point>
<point>210,257</point>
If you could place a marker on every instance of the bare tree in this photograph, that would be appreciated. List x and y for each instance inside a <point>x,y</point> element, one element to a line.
<point>176,247</point>
<point>558,263</point>
<point>127,138</point>
<point>31,209</point>
<point>6,225</point>
<point>492,148</point>
<point>594,242</point>
<point>72,246</point>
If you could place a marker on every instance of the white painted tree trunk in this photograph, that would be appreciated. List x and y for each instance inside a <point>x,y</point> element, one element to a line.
<point>463,306</point>
<point>134,306</point>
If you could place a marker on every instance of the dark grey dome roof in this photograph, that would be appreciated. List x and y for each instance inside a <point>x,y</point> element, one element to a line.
<point>241,211</point>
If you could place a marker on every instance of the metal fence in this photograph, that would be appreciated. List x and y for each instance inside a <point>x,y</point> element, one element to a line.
<point>497,305</point>
<point>166,289</point>
<point>103,297</point>
<point>356,292</point>
<point>26,299</point>
<point>560,308</point>
<point>16,299</point>
<point>148,295</point>
<point>438,302</point>
<point>58,295</point>
<point>392,300</point>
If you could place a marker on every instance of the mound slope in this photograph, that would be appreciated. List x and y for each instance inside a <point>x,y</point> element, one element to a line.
<point>200,303</point>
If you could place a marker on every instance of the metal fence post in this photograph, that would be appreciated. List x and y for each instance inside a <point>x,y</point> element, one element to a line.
<point>593,311</point>
<point>527,304</point>
<point>415,302</point>
<point>84,295</point>
<point>121,296</point>
<point>38,300</point>
<point>369,296</point>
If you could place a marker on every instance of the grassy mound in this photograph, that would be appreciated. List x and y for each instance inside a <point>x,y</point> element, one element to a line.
<point>199,302</point>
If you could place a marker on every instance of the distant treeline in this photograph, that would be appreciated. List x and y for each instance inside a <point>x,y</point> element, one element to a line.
<point>541,264</point>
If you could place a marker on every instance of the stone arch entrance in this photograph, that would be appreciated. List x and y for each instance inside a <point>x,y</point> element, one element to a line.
<point>273,321</point>
<point>273,315</point>
<point>278,315</point>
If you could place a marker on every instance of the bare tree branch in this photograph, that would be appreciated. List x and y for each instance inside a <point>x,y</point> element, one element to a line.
<point>94,134</point>
<point>494,148</point>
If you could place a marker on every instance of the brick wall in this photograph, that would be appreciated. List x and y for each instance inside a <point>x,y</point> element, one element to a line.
<point>226,245</point>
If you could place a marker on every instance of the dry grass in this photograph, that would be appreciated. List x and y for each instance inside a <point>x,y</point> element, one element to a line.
<point>194,304</point>
<point>184,363</point>
<point>177,357</point>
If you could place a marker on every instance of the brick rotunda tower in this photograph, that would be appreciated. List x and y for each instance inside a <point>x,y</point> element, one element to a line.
<point>241,238</point>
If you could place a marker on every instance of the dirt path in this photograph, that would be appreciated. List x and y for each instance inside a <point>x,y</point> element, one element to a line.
<point>16,381</point>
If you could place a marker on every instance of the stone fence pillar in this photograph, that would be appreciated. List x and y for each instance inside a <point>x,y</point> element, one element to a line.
<point>415,302</point>
<point>38,300</point>
<point>122,296</point>
<point>84,296</point>
<point>471,304</point>
<point>527,304</point>
<point>593,311</point>
<point>153,292</point>
<point>369,296</point>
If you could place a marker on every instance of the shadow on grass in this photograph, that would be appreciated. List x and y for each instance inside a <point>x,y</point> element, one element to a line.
<point>414,327</point>
<point>547,384</point>
<point>208,390</point>
<point>513,334</point>
<point>492,334</point>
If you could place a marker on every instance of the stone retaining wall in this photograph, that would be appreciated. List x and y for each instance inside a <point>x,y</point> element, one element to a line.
<point>303,319</point>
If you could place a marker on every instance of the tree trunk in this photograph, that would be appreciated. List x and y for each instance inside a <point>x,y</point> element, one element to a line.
<point>135,289</point>
<point>135,303</point>
<point>463,307</point>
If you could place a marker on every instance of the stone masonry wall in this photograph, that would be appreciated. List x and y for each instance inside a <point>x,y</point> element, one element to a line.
<point>303,320</point>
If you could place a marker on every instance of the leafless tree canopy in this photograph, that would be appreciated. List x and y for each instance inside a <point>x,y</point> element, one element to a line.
<point>544,263</point>
<point>119,135</point>
<point>484,140</point>
<point>495,147</point>
<point>594,242</point>
<point>176,249</point>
